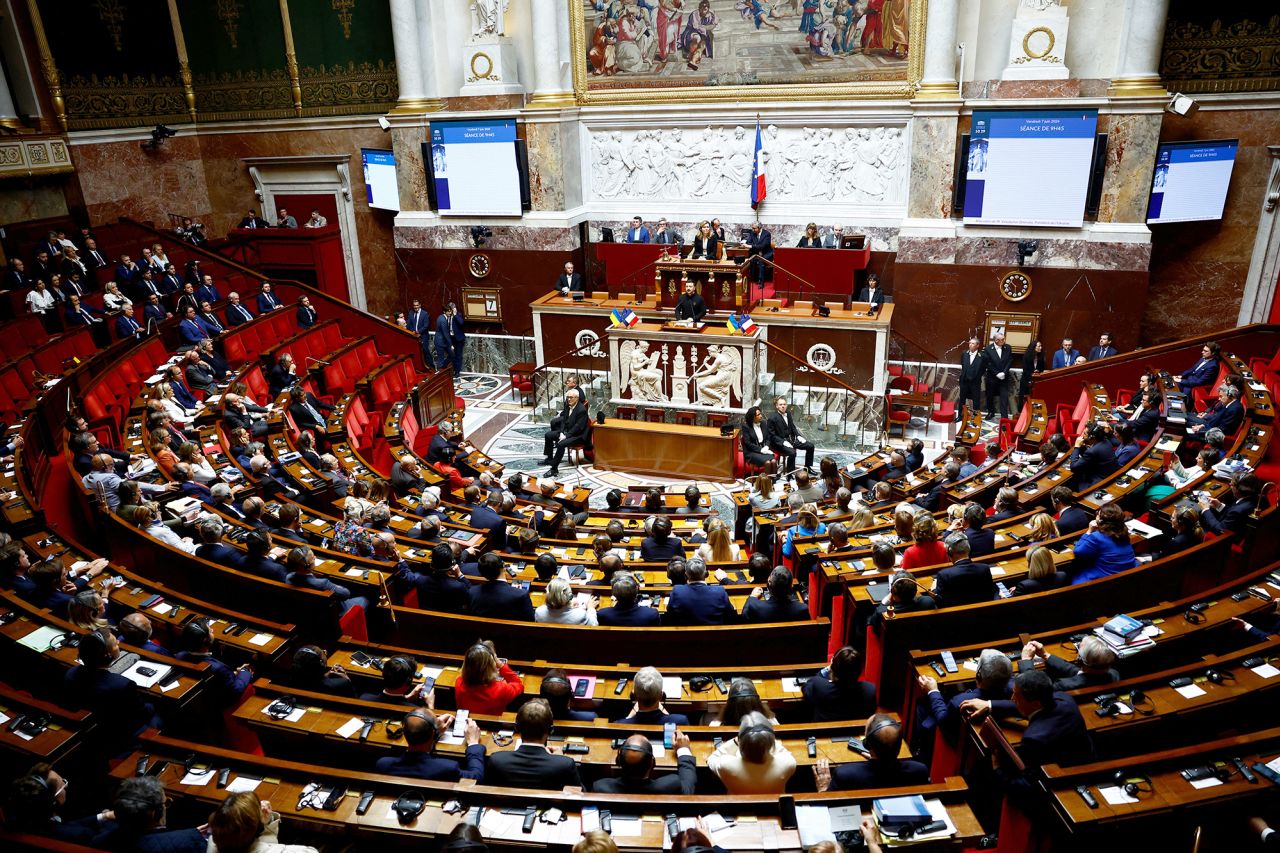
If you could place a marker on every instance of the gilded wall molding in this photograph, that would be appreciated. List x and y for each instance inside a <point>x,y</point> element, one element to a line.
<point>27,156</point>
<point>1241,56</point>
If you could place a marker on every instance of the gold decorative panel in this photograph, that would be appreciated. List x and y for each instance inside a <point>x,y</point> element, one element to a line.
<point>36,155</point>
<point>1220,56</point>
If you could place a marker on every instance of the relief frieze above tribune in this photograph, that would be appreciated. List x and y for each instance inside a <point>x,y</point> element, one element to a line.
<point>1207,51</point>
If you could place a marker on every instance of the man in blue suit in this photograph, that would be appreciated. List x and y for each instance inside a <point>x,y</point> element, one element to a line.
<point>418,321</point>
<point>993,680</point>
<point>421,730</point>
<point>444,340</point>
<point>646,694</point>
<point>267,300</point>
<point>660,545</point>
<point>1104,349</point>
<point>213,549</point>
<point>1203,372</point>
<point>1066,356</point>
<point>237,312</point>
<point>79,314</point>
<point>963,582</point>
<point>228,684</point>
<point>883,739</point>
<point>153,311</point>
<point>301,563</point>
<point>487,517</point>
<point>697,602</point>
<point>625,613</point>
<point>637,233</point>
<point>208,291</point>
<point>191,329</point>
<point>126,325</point>
<point>495,598</point>
<point>779,604</point>
<point>1227,416</point>
<point>1093,458</point>
<point>759,250</point>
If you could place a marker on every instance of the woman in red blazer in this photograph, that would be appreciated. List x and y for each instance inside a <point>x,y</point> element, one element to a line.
<point>486,684</point>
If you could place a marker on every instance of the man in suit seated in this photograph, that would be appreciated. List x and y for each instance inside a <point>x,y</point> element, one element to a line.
<point>883,740</point>
<point>660,545</point>
<point>637,233</point>
<point>1203,372</point>
<point>1056,732</point>
<point>666,235</point>
<point>227,685</point>
<point>784,439</point>
<point>422,730</point>
<point>398,687</point>
<point>442,588</point>
<point>496,598</point>
<point>569,281</point>
<point>1104,349</point>
<point>993,680</point>
<point>573,430</point>
<point>1219,517</point>
<point>625,612</point>
<point>301,563</point>
<point>117,705</point>
<point>1227,416</point>
<point>779,604</point>
<point>981,540</point>
<point>1093,457</point>
<point>308,411</point>
<point>533,765</point>
<point>1065,356</point>
<point>253,220</point>
<point>139,810</point>
<point>488,517</point>
<point>558,692</point>
<point>1070,517</point>
<point>406,475</point>
<point>697,602</point>
<point>1096,664</point>
<point>635,769</point>
<point>135,629</point>
<point>237,412</point>
<point>964,582</point>
<point>646,697</point>
<point>210,531</point>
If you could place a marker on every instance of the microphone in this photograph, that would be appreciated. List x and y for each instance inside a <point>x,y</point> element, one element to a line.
<point>316,360</point>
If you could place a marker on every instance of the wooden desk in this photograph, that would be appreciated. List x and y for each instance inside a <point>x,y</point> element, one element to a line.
<point>668,450</point>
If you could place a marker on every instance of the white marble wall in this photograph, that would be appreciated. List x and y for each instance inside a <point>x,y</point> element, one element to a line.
<point>856,171</point>
<point>1093,48</point>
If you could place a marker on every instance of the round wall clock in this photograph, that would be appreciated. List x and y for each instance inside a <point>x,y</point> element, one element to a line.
<point>1015,286</point>
<point>479,265</point>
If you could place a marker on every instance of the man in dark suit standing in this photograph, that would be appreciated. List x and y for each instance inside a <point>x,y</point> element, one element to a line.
<point>625,612</point>
<point>1104,349</point>
<point>533,765</point>
<point>444,341</point>
<point>572,431</point>
<point>964,582</point>
<point>697,602</point>
<point>569,281</point>
<point>883,739</point>
<point>760,250</point>
<point>422,729</point>
<point>691,305</point>
<point>972,368</point>
<point>635,769</point>
<point>784,439</point>
<point>1065,356</point>
<point>497,599</point>
<point>997,360</point>
<point>418,321</point>
<point>779,604</point>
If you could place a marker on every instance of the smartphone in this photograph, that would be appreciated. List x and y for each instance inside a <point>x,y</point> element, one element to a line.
<point>580,689</point>
<point>668,735</point>
<point>590,819</point>
<point>460,723</point>
<point>787,812</point>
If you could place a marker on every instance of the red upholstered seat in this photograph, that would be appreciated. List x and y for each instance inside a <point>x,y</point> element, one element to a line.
<point>944,411</point>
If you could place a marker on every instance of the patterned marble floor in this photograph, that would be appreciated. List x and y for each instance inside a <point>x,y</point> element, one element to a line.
<point>499,424</point>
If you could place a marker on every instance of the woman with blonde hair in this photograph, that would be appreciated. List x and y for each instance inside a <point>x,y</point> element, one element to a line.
<point>88,610</point>
<point>113,299</point>
<point>201,471</point>
<point>762,496</point>
<point>810,240</point>
<point>860,518</point>
<point>560,608</point>
<point>719,547</point>
<point>706,246</point>
<point>1042,528</point>
<point>926,550</point>
<point>1042,573</point>
<point>595,842</point>
<point>157,252</point>
<point>904,522</point>
<point>807,524</point>
<point>164,395</point>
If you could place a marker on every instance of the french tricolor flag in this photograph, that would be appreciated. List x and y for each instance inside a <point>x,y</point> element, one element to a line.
<point>758,190</point>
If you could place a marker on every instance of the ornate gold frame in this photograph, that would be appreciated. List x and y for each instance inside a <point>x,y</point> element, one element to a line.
<point>700,94</point>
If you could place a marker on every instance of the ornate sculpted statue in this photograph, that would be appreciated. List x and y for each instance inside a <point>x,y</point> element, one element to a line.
<point>720,377</point>
<point>1039,5</point>
<point>640,371</point>
<point>486,17</point>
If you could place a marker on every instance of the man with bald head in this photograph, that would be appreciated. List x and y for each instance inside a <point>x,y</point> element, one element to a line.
<point>406,475</point>
<point>135,629</point>
<point>573,430</point>
<point>635,768</point>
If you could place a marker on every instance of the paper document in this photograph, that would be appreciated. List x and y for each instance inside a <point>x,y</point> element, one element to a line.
<point>243,783</point>
<point>672,687</point>
<point>39,639</point>
<point>1206,783</point>
<point>1191,691</point>
<point>199,777</point>
<point>1115,795</point>
<point>350,727</point>
<point>1266,671</point>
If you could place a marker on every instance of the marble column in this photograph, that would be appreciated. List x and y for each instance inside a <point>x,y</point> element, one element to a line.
<point>1143,40</point>
<point>409,65</point>
<point>1264,266</point>
<point>933,147</point>
<point>8,112</point>
<point>939,81</point>
<point>1132,139</point>
<point>547,92</point>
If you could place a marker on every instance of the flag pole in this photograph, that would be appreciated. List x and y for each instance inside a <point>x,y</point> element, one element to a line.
<point>756,208</point>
